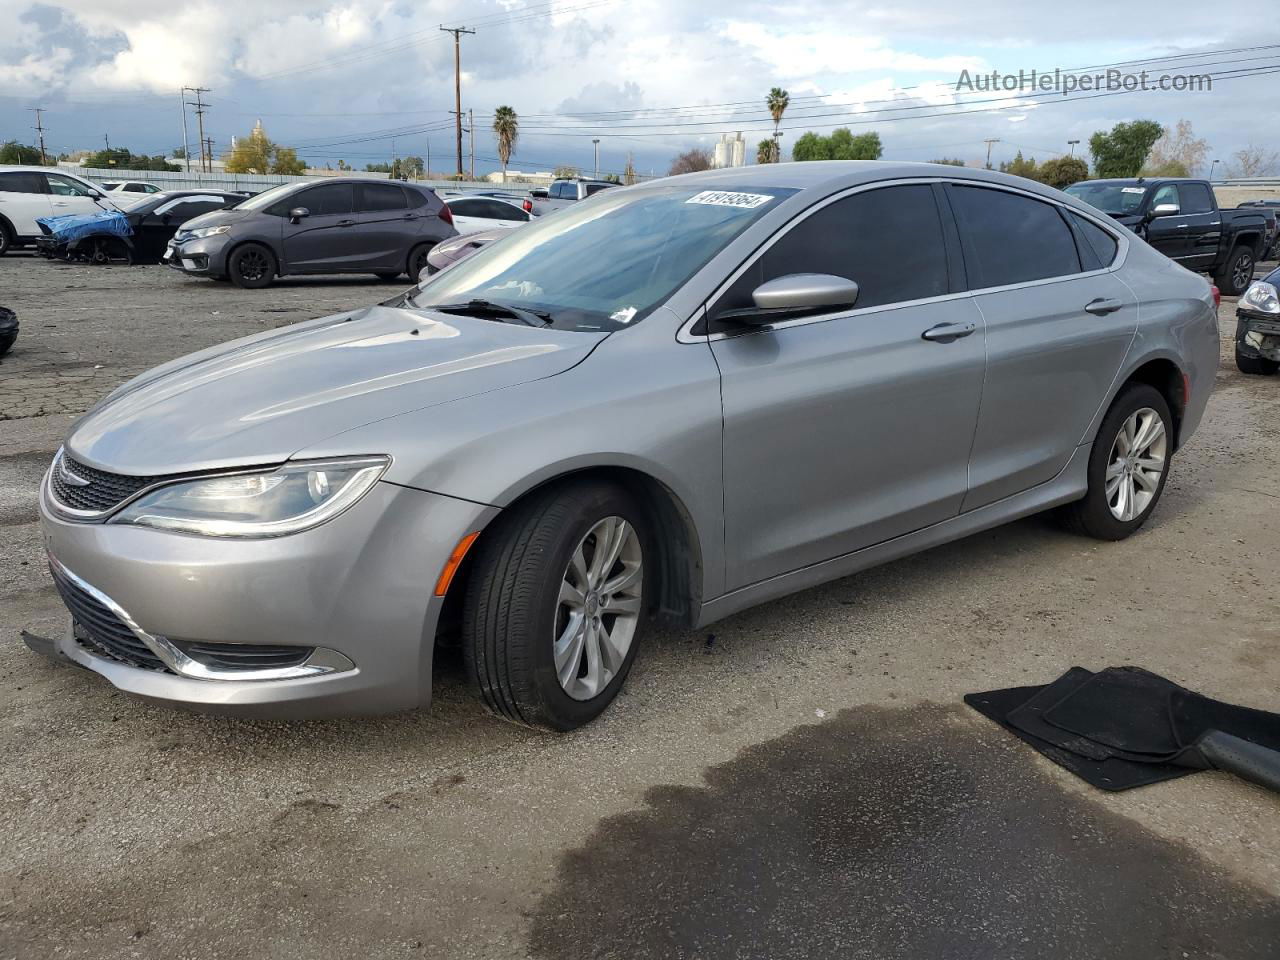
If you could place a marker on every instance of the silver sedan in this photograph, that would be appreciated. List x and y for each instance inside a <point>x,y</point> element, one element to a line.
<point>670,401</point>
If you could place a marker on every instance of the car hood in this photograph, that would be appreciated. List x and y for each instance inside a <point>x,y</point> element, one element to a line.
<point>261,399</point>
<point>216,218</point>
<point>1131,220</point>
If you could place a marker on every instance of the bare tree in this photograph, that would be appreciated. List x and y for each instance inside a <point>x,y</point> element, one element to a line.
<point>1253,161</point>
<point>1178,152</point>
<point>629,171</point>
<point>691,161</point>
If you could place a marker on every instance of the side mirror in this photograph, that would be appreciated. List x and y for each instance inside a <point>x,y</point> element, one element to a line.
<point>94,195</point>
<point>297,213</point>
<point>794,295</point>
<point>1164,210</point>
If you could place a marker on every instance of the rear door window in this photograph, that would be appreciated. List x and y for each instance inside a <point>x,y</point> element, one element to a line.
<point>1011,238</point>
<point>888,240</point>
<point>376,197</point>
<point>1195,198</point>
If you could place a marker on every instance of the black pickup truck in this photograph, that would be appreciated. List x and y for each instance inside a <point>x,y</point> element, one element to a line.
<point>1182,220</point>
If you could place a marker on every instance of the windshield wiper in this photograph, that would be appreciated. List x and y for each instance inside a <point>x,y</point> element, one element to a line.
<point>495,310</point>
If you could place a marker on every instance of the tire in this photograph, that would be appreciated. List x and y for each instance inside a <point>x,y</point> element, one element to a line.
<point>6,238</point>
<point>1237,273</point>
<point>417,261</point>
<point>516,608</point>
<point>251,267</point>
<point>1256,366</point>
<point>1094,516</point>
<point>387,275</point>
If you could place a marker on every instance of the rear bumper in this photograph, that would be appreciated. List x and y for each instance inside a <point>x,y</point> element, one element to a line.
<point>359,586</point>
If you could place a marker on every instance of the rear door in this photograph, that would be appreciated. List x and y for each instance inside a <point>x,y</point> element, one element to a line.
<point>23,197</point>
<point>387,229</point>
<point>1203,226</point>
<point>325,239</point>
<point>468,215</point>
<point>848,428</point>
<point>498,213</point>
<point>1058,322</point>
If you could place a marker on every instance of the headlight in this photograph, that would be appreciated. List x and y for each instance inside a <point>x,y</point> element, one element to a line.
<point>1261,296</point>
<point>296,497</point>
<point>201,232</point>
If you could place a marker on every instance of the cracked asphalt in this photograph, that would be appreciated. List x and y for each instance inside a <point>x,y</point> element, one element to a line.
<point>800,780</point>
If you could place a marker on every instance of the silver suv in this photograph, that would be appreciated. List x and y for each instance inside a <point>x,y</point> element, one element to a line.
<point>674,401</point>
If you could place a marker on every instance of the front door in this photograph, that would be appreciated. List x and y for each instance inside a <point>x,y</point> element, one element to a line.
<point>69,196</point>
<point>850,428</point>
<point>1058,328</point>
<point>326,239</point>
<point>1168,234</point>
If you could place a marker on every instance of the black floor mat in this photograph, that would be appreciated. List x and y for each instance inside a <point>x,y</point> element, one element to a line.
<point>1112,773</point>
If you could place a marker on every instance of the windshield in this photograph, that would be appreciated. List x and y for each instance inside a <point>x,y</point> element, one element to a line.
<point>605,262</point>
<point>1118,198</point>
<point>266,198</point>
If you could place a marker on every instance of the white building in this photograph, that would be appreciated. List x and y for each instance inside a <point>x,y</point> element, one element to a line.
<point>541,178</point>
<point>730,152</point>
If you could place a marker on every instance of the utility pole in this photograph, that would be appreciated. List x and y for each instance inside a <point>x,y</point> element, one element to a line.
<point>989,143</point>
<point>595,142</point>
<point>207,144</point>
<point>199,105</point>
<point>39,128</point>
<point>457,85</point>
<point>471,130</point>
<point>1072,144</point>
<point>186,143</point>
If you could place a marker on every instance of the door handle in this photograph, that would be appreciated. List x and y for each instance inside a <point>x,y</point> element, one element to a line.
<point>411,216</point>
<point>1101,307</point>
<point>346,223</point>
<point>948,332</point>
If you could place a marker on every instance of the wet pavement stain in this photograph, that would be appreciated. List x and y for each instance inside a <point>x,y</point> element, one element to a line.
<point>892,833</point>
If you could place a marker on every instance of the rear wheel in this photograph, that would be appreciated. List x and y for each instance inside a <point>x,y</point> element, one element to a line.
<point>555,605</point>
<point>6,238</point>
<point>1128,466</point>
<point>418,260</point>
<point>1237,273</point>
<point>1255,366</point>
<point>251,267</point>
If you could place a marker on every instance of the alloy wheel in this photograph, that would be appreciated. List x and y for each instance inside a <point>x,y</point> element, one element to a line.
<point>1243,274</point>
<point>598,608</point>
<point>253,265</point>
<point>1139,456</point>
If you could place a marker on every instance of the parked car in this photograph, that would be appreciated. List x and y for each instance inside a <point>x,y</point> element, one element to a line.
<point>675,401</point>
<point>562,193</point>
<point>456,249</point>
<point>1258,327</point>
<point>149,228</point>
<point>475,213</point>
<point>30,192</point>
<point>1181,219</point>
<point>131,186</point>
<point>347,225</point>
<point>8,329</point>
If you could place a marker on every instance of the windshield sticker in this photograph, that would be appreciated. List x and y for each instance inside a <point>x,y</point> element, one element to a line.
<point>1133,189</point>
<point>725,198</point>
<point>625,315</point>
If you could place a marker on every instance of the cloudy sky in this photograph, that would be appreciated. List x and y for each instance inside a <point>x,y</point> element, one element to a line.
<point>358,80</point>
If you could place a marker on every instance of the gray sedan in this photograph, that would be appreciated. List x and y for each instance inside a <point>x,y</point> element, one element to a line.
<point>670,401</point>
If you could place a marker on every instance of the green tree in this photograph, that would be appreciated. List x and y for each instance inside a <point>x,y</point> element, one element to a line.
<point>286,162</point>
<point>1123,151</point>
<point>1020,167</point>
<point>506,129</point>
<point>777,101</point>
<point>840,145</point>
<point>1062,172</point>
<point>257,153</point>
<point>949,161</point>
<point>377,168</point>
<point>414,167</point>
<point>767,151</point>
<point>566,172</point>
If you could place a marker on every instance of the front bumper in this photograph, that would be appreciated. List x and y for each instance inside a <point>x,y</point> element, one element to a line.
<point>358,588</point>
<point>203,256</point>
<point>1258,335</point>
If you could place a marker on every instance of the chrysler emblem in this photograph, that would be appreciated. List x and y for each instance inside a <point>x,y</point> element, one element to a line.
<point>70,478</point>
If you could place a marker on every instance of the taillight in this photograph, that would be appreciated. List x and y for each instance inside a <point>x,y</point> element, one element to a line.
<point>528,205</point>
<point>1217,295</point>
<point>446,214</point>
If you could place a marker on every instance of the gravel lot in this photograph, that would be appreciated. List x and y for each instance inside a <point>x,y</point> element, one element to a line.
<point>798,781</point>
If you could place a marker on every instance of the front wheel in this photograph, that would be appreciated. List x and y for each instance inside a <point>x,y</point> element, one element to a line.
<point>251,267</point>
<point>418,260</point>
<point>387,275</point>
<point>1237,273</point>
<point>1128,466</point>
<point>1255,366</point>
<point>555,605</point>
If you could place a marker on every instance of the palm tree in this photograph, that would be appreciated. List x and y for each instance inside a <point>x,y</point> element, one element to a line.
<point>777,102</point>
<point>767,151</point>
<point>506,126</point>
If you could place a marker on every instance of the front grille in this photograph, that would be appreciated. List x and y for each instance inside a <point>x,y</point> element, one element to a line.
<point>99,629</point>
<point>244,656</point>
<point>104,491</point>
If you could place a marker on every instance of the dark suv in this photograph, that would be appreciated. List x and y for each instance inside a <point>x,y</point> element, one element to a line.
<point>349,225</point>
